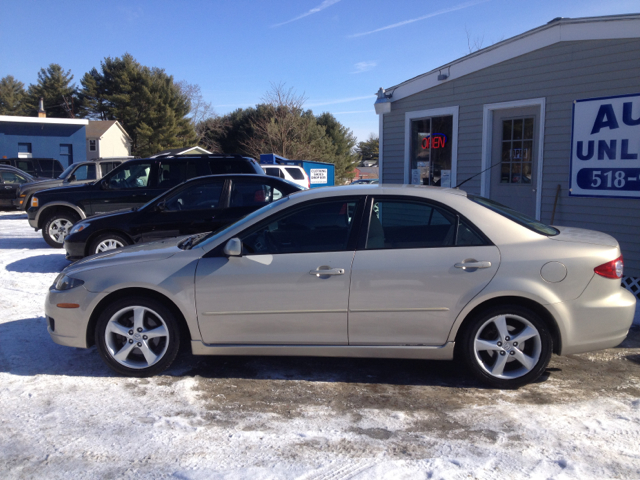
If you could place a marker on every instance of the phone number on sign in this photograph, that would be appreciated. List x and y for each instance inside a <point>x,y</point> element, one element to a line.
<point>609,179</point>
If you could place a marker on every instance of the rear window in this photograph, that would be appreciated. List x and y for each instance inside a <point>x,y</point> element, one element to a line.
<point>220,167</point>
<point>296,173</point>
<point>515,216</point>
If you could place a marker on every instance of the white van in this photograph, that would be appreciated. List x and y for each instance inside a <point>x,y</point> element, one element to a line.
<point>293,173</point>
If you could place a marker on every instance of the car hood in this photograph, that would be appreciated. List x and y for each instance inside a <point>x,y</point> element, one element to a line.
<point>144,252</point>
<point>50,183</point>
<point>581,235</point>
<point>122,213</point>
<point>62,190</point>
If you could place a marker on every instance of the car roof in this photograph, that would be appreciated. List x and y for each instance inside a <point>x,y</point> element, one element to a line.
<point>382,189</point>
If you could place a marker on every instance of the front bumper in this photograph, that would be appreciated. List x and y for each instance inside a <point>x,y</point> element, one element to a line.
<point>74,248</point>
<point>70,324</point>
<point>32,215</point>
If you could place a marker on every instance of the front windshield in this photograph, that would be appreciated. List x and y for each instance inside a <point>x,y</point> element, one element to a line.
<point>213,236</point>
<point>514,215</point>
<point>66,172</point>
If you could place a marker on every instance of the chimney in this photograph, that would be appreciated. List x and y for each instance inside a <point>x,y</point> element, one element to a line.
<point>41,112</point>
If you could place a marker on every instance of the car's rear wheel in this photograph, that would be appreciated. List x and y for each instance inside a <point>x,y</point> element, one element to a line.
<point>137,336</point>
<point>106,242</point>
<point>507,346</point>
<point>57,227</point>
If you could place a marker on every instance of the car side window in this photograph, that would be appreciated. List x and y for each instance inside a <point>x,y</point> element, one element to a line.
<point>11,177</point>
<point>318,227</point>
<point>85,172</point>
<point>107,167</point>
<point>408,224</point>
<point>131,176</point>
<point>174,173</point>
<point>223,166</point>
<point>252,194</point>
<point>196,197</point>
<point>27,166</point>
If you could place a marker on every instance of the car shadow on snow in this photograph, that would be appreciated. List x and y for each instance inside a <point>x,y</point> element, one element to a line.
<point>14,216</point>
<point>39,264</point>
<point>26,349</point>
<point>19,243</point>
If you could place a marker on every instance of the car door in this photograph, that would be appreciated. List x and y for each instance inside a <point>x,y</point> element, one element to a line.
<point>291,284</point>
<point>191,209</point>
<point>420,264</point>
<point>9,184</point>
<point>132,185</point>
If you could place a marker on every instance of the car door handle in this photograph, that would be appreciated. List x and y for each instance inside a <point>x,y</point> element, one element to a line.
<point>321,271</point>
<point>467,266</point>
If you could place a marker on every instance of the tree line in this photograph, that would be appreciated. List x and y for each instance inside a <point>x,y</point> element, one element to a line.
<point>160,113</point>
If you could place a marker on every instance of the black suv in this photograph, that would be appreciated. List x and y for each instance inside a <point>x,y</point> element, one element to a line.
<point>76,173</point>
<point>132,184</point>
<point>36,167</point>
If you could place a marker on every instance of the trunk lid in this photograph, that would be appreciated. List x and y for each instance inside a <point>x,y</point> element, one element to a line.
<point>582,235</point>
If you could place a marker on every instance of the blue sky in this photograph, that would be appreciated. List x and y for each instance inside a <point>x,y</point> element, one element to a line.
<point>335,52</point>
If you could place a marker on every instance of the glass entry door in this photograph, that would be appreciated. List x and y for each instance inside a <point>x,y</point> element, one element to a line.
<point>431,151</point>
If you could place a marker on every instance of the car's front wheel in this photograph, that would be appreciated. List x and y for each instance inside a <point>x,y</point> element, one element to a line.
<point>137,336</point>
<point>106,242</point>
<point>507,346</point>
<point>57,227</point>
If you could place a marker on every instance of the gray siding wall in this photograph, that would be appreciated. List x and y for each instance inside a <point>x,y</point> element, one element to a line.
<point>561,73</point>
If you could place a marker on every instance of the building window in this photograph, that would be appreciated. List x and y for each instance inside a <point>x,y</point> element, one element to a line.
<point>24,150</point>
<point>92,145</point>
<point>517,148</point>
<point>431,151</point>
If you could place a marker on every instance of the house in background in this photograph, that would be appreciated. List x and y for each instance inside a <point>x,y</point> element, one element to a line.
<point>365,173</point>
<point>107,139</point>
<point>36,137</point>
<point>184,151</point>
<point>546,122</point>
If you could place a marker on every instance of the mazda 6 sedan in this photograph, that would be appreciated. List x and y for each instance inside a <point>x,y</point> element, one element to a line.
<point>357,271</point>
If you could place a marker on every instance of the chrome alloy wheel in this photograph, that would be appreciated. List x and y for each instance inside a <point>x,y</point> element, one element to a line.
<point>507,346</point>
<point>108,244</point>
<point>136,337</point>
<point>59,229</point>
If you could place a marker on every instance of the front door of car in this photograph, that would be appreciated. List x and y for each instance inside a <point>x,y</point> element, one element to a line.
<point>409,282</point>
<point>194,208</point>
<point>291,284</point>
<point>130,186</point>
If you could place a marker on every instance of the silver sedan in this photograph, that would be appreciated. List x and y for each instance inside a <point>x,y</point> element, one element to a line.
<point>359,271</point>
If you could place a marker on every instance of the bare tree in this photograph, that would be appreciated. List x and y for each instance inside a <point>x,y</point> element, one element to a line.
<point>200,114</point>
<point>474,44</point>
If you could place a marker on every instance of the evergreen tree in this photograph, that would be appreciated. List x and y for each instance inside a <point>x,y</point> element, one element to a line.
<point>344,142</point>
<point>147,102</point>
<point>12,97</point>
<point>54,86</point>
<point>369,149</point>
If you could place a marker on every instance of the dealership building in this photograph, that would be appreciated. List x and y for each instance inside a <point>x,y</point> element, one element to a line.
<point>547,122</point>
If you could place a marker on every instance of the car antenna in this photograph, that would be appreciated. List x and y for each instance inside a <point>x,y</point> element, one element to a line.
<point>480,173</point>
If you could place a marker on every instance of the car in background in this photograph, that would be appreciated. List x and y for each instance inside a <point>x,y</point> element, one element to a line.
<point>74,174</point>
<point>365,181</point>
<point>36,167</point>
<point>293,173</point>
<point>11,179</point>
<point>202,204</point>
<point>131,184</point>
<point>354,271</point>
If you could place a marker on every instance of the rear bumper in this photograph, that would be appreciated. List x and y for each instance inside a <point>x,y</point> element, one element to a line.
<point>595,321</point>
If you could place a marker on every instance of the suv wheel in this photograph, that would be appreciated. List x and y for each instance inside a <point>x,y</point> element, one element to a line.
<point>57,227</point>
<point>137,336</point>
<point>507,346</point>
<point>106,242</point>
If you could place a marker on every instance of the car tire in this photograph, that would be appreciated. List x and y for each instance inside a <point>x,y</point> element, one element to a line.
<point>507,346</point>
<point>137,336</point>
<point>57,227</point>
<point>106,242</point>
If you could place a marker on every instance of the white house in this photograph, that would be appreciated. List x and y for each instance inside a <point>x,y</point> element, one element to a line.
<point>107,139</point>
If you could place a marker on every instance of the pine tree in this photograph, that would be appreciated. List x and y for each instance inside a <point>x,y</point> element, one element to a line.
<point>54,86</point>
<point>12,97</point>
<point>344,158</point>
<point>369,149</point>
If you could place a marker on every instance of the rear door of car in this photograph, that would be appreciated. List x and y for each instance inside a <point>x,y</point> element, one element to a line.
<point>409,280</point>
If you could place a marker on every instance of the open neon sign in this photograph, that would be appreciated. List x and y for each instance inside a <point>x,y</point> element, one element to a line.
<point>434,140</point>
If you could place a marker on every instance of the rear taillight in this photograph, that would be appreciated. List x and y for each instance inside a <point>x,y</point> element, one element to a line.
<point>612,269</point>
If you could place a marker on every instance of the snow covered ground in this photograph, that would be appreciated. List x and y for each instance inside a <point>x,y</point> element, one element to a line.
<point>64,414</point>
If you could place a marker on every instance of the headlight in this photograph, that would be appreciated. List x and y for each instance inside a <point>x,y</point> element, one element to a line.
<point>63,282</point>
<point>34,201</point>
<point>78,227</point>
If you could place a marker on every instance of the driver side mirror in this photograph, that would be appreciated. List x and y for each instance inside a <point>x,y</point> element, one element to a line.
<point>70,178</point>
<point>233,248</point>
<point>104,185</point>
<point>161,207</point>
